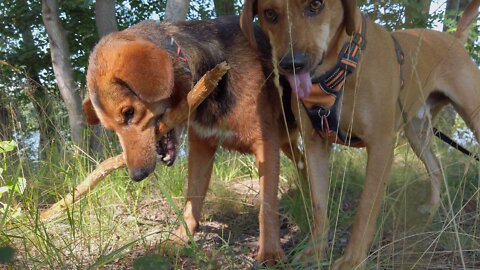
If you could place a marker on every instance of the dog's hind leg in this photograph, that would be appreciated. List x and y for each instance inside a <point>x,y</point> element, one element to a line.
<point>470,112</point>
<point>200,164</point>
<point>292,151</point>
<point>419,135</point>
<point>460,83</point>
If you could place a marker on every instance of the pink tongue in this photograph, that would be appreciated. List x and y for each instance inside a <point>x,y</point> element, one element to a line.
<point>301,84</point>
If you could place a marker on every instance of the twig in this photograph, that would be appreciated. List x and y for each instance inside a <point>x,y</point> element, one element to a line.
<point>178,115</point>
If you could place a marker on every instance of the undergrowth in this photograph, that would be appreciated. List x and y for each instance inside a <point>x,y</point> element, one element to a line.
<point>126,225</point>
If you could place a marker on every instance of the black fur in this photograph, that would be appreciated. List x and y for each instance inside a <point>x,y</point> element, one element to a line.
<point>205,44</point>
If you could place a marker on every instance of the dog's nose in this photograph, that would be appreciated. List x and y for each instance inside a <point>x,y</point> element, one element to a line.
<point>138,175</point>
<point>293,62</point>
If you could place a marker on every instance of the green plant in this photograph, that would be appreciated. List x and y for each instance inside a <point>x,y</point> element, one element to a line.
<point>9,187</point>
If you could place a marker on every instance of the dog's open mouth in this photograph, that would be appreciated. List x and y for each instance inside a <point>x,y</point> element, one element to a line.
<point>167,148</point>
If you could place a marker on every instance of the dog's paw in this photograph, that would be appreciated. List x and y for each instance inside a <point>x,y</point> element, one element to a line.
<point>271,256</point>
<point>171,248</point>
<point>427,209</point>
<point>312,254</point>
<point>176,242</point>
<point>348,263</point>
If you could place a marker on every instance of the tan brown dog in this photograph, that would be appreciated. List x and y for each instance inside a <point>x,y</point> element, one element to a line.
<point>399,80</point>
<point>136,75</point>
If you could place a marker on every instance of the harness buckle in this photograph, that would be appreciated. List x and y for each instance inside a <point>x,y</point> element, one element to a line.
<point>323,112</point>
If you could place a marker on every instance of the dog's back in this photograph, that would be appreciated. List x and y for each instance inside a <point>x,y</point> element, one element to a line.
<point>429,55</point>
<point>207,43</point>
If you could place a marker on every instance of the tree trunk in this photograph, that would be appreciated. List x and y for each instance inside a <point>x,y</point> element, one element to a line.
<point>224,7</point>
<point>62,68</point>
<point>453,9</point>
<point>105,18</point>
<point>106,23</point>
<point>177,10</point>
<point>38,94</point>
<point>5,129</point>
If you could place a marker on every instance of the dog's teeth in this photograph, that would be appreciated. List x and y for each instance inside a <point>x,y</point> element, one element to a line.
<point>167,158</point>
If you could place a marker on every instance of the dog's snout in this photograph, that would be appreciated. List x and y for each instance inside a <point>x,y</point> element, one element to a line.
<point>138,175</point>
<point>295,62</point>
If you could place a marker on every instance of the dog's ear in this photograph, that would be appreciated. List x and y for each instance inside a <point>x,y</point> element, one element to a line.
<point>349,8</point>
<point>89,112</point>
<point>246,21</point>
<point>145,69</point>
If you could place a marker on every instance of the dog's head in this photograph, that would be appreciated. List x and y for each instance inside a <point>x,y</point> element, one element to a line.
<point>300,32</point>
<point>130,86</point>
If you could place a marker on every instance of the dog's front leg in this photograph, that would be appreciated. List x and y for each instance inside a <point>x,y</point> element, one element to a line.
<point>200,164</point>
<point>317,158</point>
<point>380,156</point>
<point>268,162</point>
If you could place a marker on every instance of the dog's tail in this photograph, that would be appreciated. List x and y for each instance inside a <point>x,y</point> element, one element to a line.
<point>469,15</point>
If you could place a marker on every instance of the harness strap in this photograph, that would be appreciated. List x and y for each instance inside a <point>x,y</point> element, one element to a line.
<point>326,116</point>
<point>333,81</point>
<point>178,49</point>
<point>401,61</point>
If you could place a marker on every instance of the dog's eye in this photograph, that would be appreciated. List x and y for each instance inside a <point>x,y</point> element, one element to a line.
<point>316,4</point>
<point>314,8</point>
<point>128,114</point>
<point>270,15</point>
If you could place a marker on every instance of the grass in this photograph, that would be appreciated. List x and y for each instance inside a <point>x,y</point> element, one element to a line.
<point>123,225</point>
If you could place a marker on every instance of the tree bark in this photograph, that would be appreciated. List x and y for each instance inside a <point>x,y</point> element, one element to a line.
<point>106,23</point>
<point>5,129</point>
<point>224,7</point>
<point>105,18</point>
<point>38,94</point>
<point>62,68</point>
<point>177,10</point>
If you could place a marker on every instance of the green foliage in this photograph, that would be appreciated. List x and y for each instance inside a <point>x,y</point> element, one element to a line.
<point>130,12</point>
<point>13,187</point>
<point>400,14</point>
<point>152,262</point>
<point>7,146</point>
<point>120,222</point>
<point>6,254</point>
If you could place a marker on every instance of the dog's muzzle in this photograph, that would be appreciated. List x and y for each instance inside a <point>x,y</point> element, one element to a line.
<point>295,62</point>
<point>167,148</point>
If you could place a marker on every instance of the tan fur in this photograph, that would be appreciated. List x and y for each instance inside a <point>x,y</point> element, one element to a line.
<point>437,71</point>
<point>128,71</point>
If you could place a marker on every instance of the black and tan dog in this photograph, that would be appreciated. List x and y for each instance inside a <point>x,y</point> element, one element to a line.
<point>385,81</point>
<point>136,75</point>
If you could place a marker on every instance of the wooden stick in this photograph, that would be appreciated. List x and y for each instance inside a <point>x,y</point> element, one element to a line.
<point>105,168</point>
<point>178,115</point>
<point>200,91</point>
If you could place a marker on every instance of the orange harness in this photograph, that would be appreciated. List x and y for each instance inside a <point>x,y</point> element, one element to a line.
<point>322,104</point>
